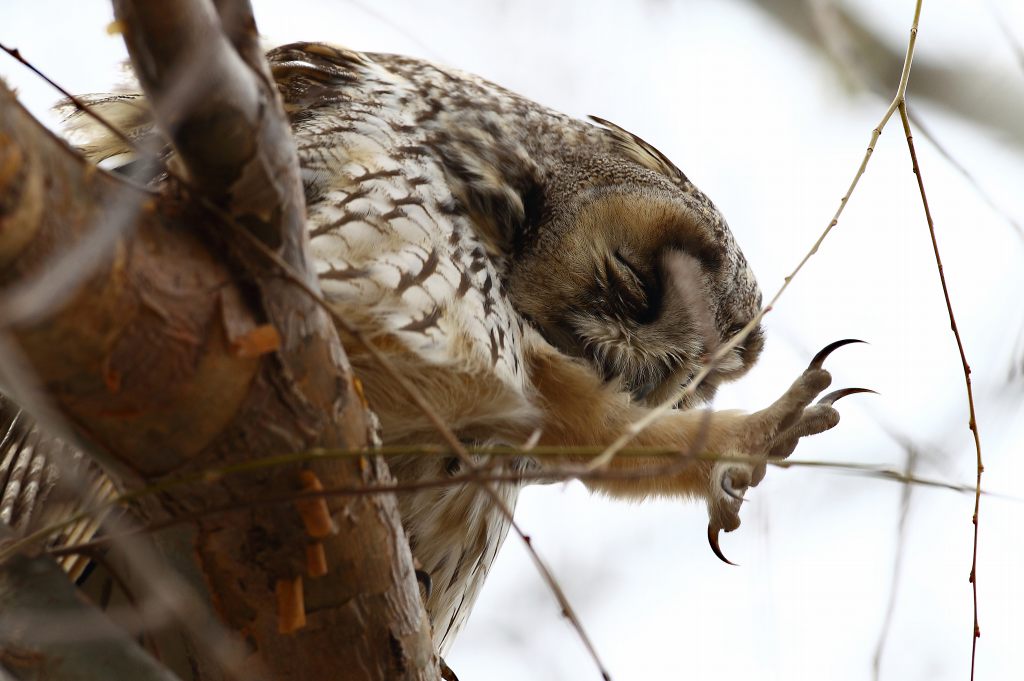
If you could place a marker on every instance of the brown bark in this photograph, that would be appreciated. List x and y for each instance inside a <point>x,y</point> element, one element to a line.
<point>184,350</point>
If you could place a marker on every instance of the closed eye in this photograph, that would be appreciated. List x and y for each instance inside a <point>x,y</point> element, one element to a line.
<point>627,287</point>
<point>628,265</point>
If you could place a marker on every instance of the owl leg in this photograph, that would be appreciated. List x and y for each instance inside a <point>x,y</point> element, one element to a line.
<point>772,433</point>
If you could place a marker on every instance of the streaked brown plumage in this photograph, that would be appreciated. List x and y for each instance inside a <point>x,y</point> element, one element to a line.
<point>528,272</point>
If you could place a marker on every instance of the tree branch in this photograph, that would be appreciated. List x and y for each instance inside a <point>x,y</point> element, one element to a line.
<point>48,632</point>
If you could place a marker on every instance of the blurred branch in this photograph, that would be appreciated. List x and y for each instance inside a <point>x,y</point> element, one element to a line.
<point>834,32</point>
<point>48,633</point>
<point>1011,38</point>
<point>967,92</point>
<point>166,364</point>
<point>214,98</point>
<point>897,565</point>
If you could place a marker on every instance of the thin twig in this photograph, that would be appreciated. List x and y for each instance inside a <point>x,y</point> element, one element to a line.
<point>657,412</point>
<point>973,422</point>
<point>476,477</point>
<point>79,104</point>
<point>548,475</point>
<point>833,25</point>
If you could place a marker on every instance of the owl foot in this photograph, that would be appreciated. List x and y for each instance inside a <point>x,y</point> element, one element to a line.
<point>771,433</point>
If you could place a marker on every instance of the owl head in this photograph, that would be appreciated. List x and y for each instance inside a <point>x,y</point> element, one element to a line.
<point>630,267</point>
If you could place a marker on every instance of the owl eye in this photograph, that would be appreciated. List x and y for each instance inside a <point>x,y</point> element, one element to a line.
<point>628,289</point>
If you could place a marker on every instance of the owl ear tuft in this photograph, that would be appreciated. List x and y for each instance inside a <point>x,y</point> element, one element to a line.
<point>495,182</point>
<point>636,148</point>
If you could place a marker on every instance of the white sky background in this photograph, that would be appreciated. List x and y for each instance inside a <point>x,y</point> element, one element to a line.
<point>767,129</point>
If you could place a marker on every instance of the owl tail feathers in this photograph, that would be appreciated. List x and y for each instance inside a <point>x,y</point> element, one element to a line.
<point>127,112</point>
<point>46,483</point>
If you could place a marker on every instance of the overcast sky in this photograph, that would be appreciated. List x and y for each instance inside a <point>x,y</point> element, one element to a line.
<point>770,131</point>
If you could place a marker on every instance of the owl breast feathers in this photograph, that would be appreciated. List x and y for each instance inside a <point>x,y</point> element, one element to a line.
<point>528,272</point>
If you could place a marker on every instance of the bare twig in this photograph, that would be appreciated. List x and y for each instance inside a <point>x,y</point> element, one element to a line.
<point>973,422</point>
<point>833,24</point>
<point>476,476</point>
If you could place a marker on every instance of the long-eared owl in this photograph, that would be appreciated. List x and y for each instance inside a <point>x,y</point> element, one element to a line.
<point>530,274</point>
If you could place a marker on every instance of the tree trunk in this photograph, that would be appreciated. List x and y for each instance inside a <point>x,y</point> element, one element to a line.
<point>173,345</point>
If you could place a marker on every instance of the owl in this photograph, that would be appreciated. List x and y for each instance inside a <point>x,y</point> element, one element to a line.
<point>539,278</point>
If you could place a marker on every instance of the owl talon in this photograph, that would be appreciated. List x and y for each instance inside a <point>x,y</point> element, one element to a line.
<point>713,533</point>
<point>837,395</point>
<point>446,672</point>
<point>772,434</point>
<point>819,359</point>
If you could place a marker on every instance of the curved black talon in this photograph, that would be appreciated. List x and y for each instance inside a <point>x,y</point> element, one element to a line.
<point>819,358</point>
<point>446,672</point>
<point>713,533</point>
<point>423,577</point>
<point>837,395</point>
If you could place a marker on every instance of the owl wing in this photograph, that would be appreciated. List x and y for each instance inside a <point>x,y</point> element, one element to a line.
<point>44,482</point>
<point>395,250</point>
